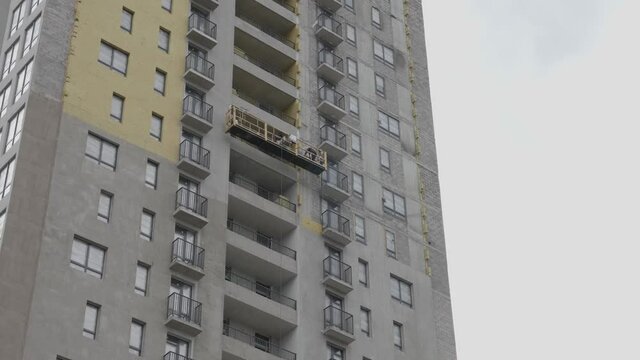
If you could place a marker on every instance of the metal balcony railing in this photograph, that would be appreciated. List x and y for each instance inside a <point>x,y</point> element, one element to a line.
<point>336,317</point>
<point>327,21</point>
<point>336,178</point>
<point>335,268</point>
<point>327,57</point>
<point>262,192</point>
<point>187,252</point>
<point>191,201</point>
<point>258,343</point>
<point>200,65</point>
<point>332,220</point>
<point>195,153</point>
<point>327,93</point>
<point>184,308</point>
<point>265,107</point>
<point>198,107</point>
<point>262,239</point>
<point>268,31</point>
<point>334,136</point>
<point>175,356</point>
<point>270,69</point>
<point>259,289</point>
<point>199,22</point>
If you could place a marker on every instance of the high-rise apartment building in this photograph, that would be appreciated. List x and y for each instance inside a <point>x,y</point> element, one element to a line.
<point>233,179</point>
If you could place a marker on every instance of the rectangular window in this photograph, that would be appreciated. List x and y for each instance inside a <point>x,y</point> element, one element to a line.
<point>87,257</point>
<point>159,82</point>
<point>380,85</point>
<point>354,105</point>
<point>390,239</point>
<point>167,4</point>
<point>126,20</point>
<point>104,206</point>
<point>393,203</point>
<point>34,4</point>
<point>142,274</point>
<point>90,325</point>
<point>388,124</point>
<point>10,59</point>
<point>163,39</point>
<point>334,352</point>
<point>151,174</point>
<point>14,129</point>
<point>384,159</point>
<point>351,35</point>
<point>101,151</point>
<point>117,107</point>
<point>146,225</point>
<point>4,100</point>
<point>352,69</point>
<point>375,18</point>
<point>155,129</point>
<point>383,53</point>
<point>6,178</point>
<point>348,4</point>
<point>363,272</point>
<point>355,143</point>
<point>3,220</point>
<point>359,228</point>
<point>17,18</point>
<point>397,335</point>
<point>113,58</point>
<point>358,187</point>
<point>24,80</point>
<point>365,320</point>
<point>401,290</point>
<point>31,36</point>
<point>135,337</point>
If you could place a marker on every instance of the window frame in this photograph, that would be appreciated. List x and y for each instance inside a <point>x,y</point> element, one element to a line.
<point>365,314</point>
<point>106,218</point>
<point>136,288</point>
<point>151,215</point>
<point>137,350</point>
<point>32,35</point>
<point>165,2</point>
<point>383,56</point>
<point>400,282</point>
<point>155,166</point>
<point>130,14</point>
<point>398,326</point>
<point>390,239</point>
<point>359,237</point>
<point>7,173</point>
<point>12,56</point>
<point>376,22</point>
<point>353,41</point>
<point>14,132</point>
<point>354,175</point>
<point>395,199</point>
<point>350,5</point>
<point>100,161</point>
<point>164,32</point>
<point>34,4</point>
<point>385,158</point>
<point>5,95</point>
<point>121,99</point>
<point>16,22</point>
<point>353,76</point>
<point>384,123</point>
<point>112,51</point>
<point>23,81</point>
<point>160,120</point>
<point>380,91</point>
<point>363,265</point>
<point>354,100</point>
<point>357,151</point>
<point>160,74</point>
<point>91,333</point>
<point>99,274</point>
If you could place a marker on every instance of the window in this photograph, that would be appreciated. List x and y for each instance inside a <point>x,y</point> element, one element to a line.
<point>142,274</point>
<point>90,320</point>
<point>151,174</point>
<point>358,187</point>
<point>135,337</point>
<point>23,80</point>
<point>352,69</point>
<point>383,53</point>
<point>117,107</point>
<point>351,35</point>
<point>393,202</point>
<point>6,178</point>
<point>31,36</point>
<point>166,4</point>
<point>262,342</point>
<point>397,335</point>
<point>10,59</point>
<point>380,85</point>
<point>4,100</point>
<point>113,58</point>
<point>363,272</point>
<point>34,4</point>
<point>101,151</point>
<point>146,225</point>
<point>359,228</point>
<point>375,18</point>
<point>365,319</point>
<point>177,346</point>
<point>3,220</point>
<point>355,143</point>
<point>390,239</point>
<point>126,20</point>
<point>104,206</point>
<point>388,124</point>
<point>401,290</point>
<point>160,81</point>
<point>163,39</point>
<point>384,159</point>
<point>18,17</point>
<point>334,352</point>
<point>14,129</point>
<point>348,4</point>
<point>354,105</point>
<point>156,127</point>
<point>87,257</point>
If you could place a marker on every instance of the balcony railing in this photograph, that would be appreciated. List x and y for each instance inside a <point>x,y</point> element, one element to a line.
<point>199,22</point>
<point>187,252</point>
<point>198,107</point>
<point>327,57</point>
<point>333,220</point>
<point>326,20</point>
<point>334,136</point>
<point>200,65</point>
<point>258,343</point>
<point>270,69</point>
<point>336,317</point>
<point>191,201</point>
<point>184,308</point>
<point>259,289</point>
<point>268,31</point>
<point>336,178</point>
<point>262,192</point>
<point>264,107</point>
<point>327,93</point>
<point>337,269</point>
<point>262,239</point>
<point>175,356</point>
<point>195,153</point>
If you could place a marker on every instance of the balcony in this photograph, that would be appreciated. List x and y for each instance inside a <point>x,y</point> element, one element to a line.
<point>187,259</point>
<point>338,325</point>
<point>262,290</point>
<point>330,5</point>
<point>197,114</point>
<point>330,66</point>
<point>241,124</point>
<point>333,142</point>
<point>237,344</point>
<point>331,103</point>
<point>202,31</point>
<point>336,227</point>
<point>194,159</point>
<point>262,192</point>
<point>191,208</point>
<point>337,275</point>
<point>199,72</point>
<point>267,30</point>
<point>184,314</point>
<point>175,356</point>
<point>328,29</point>
<point>264,110</point>
<point>206,4</point>
<point>276,14</point>
<point>335,185</point>
<point>265,67</point>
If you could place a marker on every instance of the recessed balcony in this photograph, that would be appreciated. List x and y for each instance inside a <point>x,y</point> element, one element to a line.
<point>267,30</point>
<point>330,66</point>
<point>191,208</point>
<point>328,29</point>
<point>199,72</point>
<point>333,142</point>
<point>240,345</point>
<point>335,185</point>
<point>187,259</point>
<point>207,4</point>
<point>202,31</point>
<point>331,103</point>
<point>338,325</point>
<point>184,314</point>
<point>336,227</point>
<point>194,159</point>
<point>197,114</point>
<point>337,275</point>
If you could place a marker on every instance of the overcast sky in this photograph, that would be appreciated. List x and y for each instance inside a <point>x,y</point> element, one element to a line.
<point>536,109</point>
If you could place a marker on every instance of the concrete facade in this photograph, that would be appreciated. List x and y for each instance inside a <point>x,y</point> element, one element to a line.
<point>263,275</point>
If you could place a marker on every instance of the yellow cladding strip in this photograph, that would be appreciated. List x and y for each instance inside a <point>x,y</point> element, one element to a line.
<point>89,85</point>
<point>311,225</point>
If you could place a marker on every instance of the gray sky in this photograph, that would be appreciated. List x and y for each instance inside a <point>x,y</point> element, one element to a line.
<point>536,108</point>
